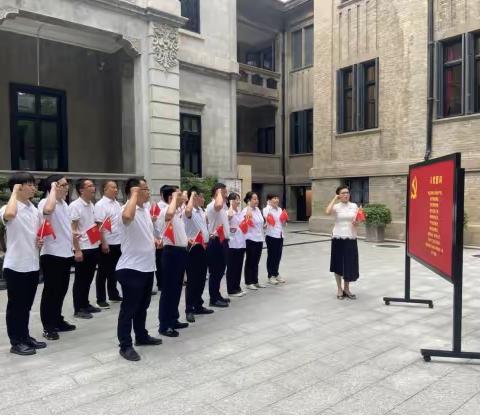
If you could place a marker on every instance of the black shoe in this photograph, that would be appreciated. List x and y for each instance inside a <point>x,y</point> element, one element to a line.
<point>38,345</point>
<point>190,317</point>
<point>102,305</point>
<point>92,309</point>
<point>64,326</point>
<point>225,299</point>
<point>116,299</point>
<point>51,335</point>
<point>129,354</point>
<point>180,325</point>
<point>149,341</point>
<point>349,295</point>
<point>170,332</point>
<point>219,304</point>
<point>22,349</point>
<point>83,314</point>
<point>203,311</point>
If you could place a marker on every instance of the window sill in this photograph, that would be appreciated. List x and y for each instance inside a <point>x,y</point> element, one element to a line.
<point>465,117</point>
<point>303,68</point>
<point>300,154</point>
<point>347,3</point>
<point>258,154</point>
<point>358,133</point>
<point>191,34</point>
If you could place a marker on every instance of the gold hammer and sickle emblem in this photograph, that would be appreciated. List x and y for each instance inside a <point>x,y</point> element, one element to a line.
<point>413,191</point>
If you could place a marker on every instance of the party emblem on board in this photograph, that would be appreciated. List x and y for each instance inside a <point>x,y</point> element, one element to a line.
<point>413,191</point>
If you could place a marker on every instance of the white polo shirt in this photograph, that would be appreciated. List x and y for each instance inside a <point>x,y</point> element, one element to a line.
<point>83,212</point>
<point>137,242</point>
<point>181,239</point>
<point>157,226</point>
<point>107,207</point>
<point>196,223</point>
<point>237,238</point>
<point>22,254</point>
<point>215,218</point>
<point>255,233</point>
<point>62,245</point>
<point>275,231</point>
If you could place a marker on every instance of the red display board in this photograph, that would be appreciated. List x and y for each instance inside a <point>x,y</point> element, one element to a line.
<point>431,218</point>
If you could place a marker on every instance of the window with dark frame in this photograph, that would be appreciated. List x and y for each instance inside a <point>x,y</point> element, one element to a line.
<point>477,74</point>
<point>452,78</point>
<point>302,47</point>
<point>297,45</point>
<point>266,140</point>
<point>308,49</point>
<point>357,97</point>
<point>301,132</point>
<point>191,143</point>
<point>38,128</point>
<point>191,10</point>
<point>359,190</point>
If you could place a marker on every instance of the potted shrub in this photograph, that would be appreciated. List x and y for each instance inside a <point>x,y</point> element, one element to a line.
<point>378,216</point>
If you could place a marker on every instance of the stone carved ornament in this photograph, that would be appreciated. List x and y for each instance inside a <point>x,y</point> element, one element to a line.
<point>165,46</point>
<point>5,11</point>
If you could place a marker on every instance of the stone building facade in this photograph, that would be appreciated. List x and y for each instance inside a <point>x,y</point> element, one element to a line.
<point>371,100</point>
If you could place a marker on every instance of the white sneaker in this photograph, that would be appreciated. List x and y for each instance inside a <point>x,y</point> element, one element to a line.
<point>260,285</point>
<point>237,295</point>
<point>272,281</point>
<point>280,279</point>
<point>252,287</point>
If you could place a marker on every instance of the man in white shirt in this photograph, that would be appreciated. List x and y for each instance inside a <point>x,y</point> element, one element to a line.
<point>21,265</point>
<point>108,208</point>
<point>217,250</point>
<point>158,234</point>
<point>135,269</point>
<point>85,252</point>
<point>174,261</point>
<point>197,233</point>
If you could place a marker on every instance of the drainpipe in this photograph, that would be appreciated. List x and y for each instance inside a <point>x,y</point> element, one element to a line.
<point>430,81</point>
<point>284,177</point>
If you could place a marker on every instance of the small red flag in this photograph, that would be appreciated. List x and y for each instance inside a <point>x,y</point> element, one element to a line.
<point>45,230</point>
<point>270,219</point>
<point>93,234</point>
<point>284,216</point>
<point>249,221</point>
<point>106,224</point>
<point>360,215</point>
<point>154,210</point>
<point>169,233</point>
<point>199,239</point>
<point>221,233</point>
<point>243,226</point>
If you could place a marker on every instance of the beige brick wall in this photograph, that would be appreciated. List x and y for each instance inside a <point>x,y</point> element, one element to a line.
<point>396,33</point>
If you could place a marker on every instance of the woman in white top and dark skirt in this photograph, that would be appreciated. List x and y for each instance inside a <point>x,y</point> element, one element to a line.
<point>344,254</point>
<point>236,246</point>
<point>254,241</point>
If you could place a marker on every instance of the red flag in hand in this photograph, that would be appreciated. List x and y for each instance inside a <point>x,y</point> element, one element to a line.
<point>360,215</point>
<point>243,226</point>
<point>221,233</point>
<point>93,234</point>
<point>154,210</point>
<point>45,230</point>
<point>168,233</point>
<point>199,239</point>
<point>106,224</point>
<point>284,216</point>
<point>270,220</point>
<point>249,221</point>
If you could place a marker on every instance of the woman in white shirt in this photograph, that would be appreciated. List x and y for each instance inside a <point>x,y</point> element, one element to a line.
<point>236,246</point>
<point>344,254</point>
<point>254,240</point>
<point>274,238</point>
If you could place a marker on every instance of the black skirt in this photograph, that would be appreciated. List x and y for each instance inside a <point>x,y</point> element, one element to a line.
<point>344,258</point>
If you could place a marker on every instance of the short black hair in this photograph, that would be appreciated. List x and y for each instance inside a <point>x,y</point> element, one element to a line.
<point>218,186</point>
<point>167,191</point>
<point>107,182</point>
<point>337,191</point>
<point>46,184</point>
<point>271,196</point>
<point>20,178</point>
<point>132,183</point>
<point>80,184</point>
<point>193,189</point>
<point>249,196</point>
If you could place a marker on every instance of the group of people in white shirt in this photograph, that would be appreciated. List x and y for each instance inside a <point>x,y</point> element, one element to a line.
<point>130,244</point>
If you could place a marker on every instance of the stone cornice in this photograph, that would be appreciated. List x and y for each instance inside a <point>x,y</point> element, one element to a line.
<point>207,70</point>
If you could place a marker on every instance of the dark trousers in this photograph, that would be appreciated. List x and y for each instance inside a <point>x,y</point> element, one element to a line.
<point>106,274</point>
<point>84,273</point>
<point>252,258</point>
<point>217,263</point>
<point>136,291</point>
<point>274,255</point>
<point>234,269</point>
<point>21,289</point>
<point>158,263</point>
<point>56,277</point>
<point>196,278</point>
<point>174,262</point>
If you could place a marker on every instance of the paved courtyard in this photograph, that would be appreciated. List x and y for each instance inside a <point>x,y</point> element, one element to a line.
<point>290,349</point>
